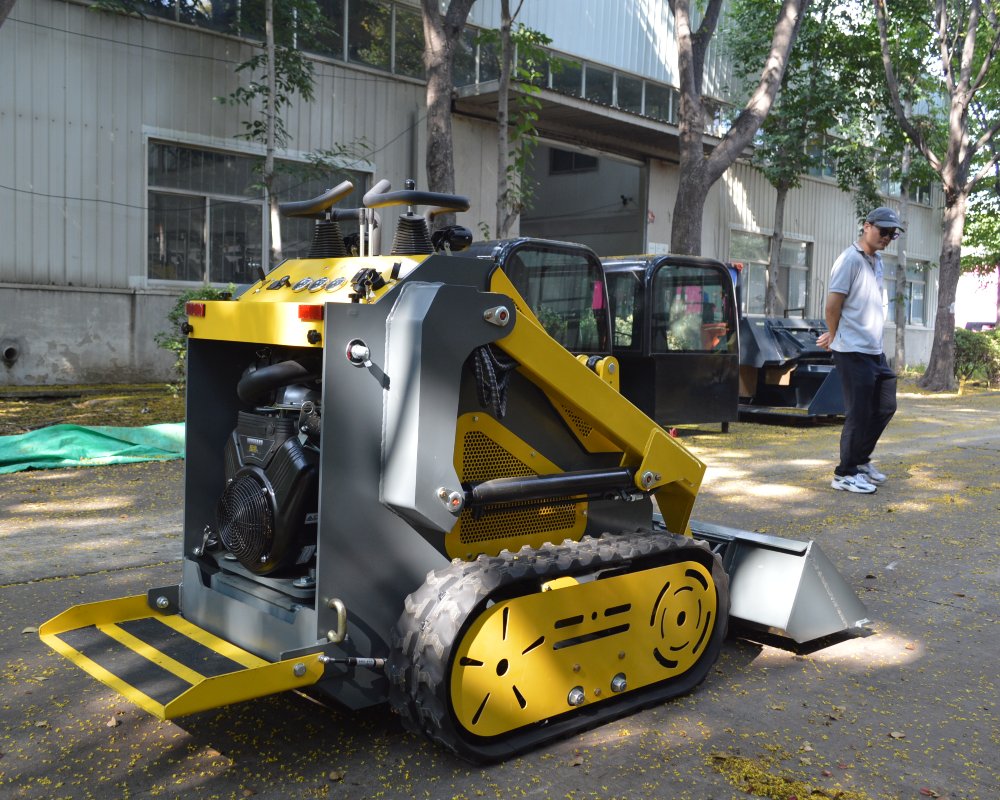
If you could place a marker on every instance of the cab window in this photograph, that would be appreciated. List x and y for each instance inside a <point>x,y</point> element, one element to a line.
<point>692,311</point>
<point>565,290</point>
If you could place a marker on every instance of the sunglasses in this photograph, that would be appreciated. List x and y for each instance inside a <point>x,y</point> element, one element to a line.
<point>892,233</point>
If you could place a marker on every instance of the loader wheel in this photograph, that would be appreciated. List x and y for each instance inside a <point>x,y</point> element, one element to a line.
<point>496,656</point>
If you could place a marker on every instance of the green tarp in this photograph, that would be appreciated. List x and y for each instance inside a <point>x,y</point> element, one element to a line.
<point>79,446</point>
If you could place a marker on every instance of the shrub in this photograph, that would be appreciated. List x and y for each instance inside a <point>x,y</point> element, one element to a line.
<point>977,354</point>
<point>993,367</point>
<point>174,338</point>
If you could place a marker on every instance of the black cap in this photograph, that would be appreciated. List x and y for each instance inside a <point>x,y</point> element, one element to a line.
<point>884,217</point>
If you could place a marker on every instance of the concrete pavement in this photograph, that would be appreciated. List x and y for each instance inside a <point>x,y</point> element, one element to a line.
<point>908,712</point>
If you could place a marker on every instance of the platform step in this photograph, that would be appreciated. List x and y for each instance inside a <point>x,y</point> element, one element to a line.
<point>165,664</point>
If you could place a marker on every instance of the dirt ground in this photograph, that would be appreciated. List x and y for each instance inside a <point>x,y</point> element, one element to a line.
<point>26,408</point>
<point>909,711</point>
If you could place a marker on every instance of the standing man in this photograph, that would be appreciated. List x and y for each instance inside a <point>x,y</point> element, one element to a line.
<point>855,319</point>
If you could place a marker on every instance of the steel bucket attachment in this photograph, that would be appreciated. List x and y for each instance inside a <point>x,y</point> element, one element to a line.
<point>785,586</point>
<point>828,400</point>
<point>781,367</point>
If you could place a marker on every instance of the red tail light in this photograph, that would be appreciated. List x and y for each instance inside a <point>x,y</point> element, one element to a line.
<point>311,313</point>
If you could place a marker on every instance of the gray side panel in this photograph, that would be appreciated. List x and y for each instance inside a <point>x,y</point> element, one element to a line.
<point>267,627</point>
<point>368,557</point>
<point>430,333</point>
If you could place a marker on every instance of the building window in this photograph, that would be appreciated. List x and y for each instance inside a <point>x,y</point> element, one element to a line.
<point>466,54</point>
<point>409,38</point>
<point>206,213</point>
<point>888,185</point>
<point>566,75</point>
<point>628,93</point>
<point>600,85</point>
<point>383,35</point>
<point>369,34</point>
<point>921,194</point>
<point>660,103</point>
<point>821,164</point>
<point>221,16</point>
<point>562,162</point>
<point>793,279</point>
<point>912,294</point>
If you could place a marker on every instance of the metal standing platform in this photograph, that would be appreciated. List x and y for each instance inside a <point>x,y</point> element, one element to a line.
<point>165,664</point>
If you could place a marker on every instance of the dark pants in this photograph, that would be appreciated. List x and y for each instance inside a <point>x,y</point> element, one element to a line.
<point>869,403</point>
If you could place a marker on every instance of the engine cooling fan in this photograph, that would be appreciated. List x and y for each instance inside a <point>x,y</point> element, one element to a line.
<point>267,514</point>
<point>245,515</point>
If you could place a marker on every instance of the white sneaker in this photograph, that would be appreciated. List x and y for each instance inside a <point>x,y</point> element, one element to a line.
<point>872,474</point>
<point>853,483</point>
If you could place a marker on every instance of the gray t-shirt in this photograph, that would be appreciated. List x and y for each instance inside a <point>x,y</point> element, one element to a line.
<point>859,277</point>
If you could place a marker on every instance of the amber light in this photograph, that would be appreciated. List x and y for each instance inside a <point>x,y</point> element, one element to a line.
<point>311,313</point>
<point>194,309</point>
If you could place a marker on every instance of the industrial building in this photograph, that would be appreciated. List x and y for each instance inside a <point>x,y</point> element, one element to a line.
<point>124,180</point>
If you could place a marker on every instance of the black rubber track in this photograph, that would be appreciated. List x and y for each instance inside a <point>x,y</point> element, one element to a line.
<point>437,614</point>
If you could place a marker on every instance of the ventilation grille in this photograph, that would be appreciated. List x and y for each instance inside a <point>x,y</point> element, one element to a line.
<point>246,519</point>
<point>484,459</point>
<point>582,427</point>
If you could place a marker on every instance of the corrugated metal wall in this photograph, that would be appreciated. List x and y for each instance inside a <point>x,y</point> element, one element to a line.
<point>83,92</point>
<point>817,212</point>
<point>633,35</point>
<point>84,89</point>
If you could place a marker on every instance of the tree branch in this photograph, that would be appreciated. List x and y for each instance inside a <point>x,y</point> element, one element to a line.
<point>990,165</point>
<point>744,127</point>
<point>969,52</point>
<point>945,49</point>
<point>987,135</point>
<point>984,69</point>
<point>892,83</point>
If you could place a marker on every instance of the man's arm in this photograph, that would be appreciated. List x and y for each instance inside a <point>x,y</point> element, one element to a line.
<point>834,307</point>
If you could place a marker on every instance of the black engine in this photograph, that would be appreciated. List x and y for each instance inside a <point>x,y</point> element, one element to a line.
<point>268,512</point>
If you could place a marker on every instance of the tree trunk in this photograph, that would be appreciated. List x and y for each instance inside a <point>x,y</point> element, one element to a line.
<point>699,172</point>
<point>899,356</point>
<point>689,208</point>
<point>503,140</point>
<point>771,297</point>
<point>274,218</point>
<point>441,35</point>
<point>5,9</point>
<point>940,374</point>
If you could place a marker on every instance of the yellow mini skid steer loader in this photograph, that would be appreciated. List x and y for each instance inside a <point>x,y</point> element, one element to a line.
<point>402,486</point>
